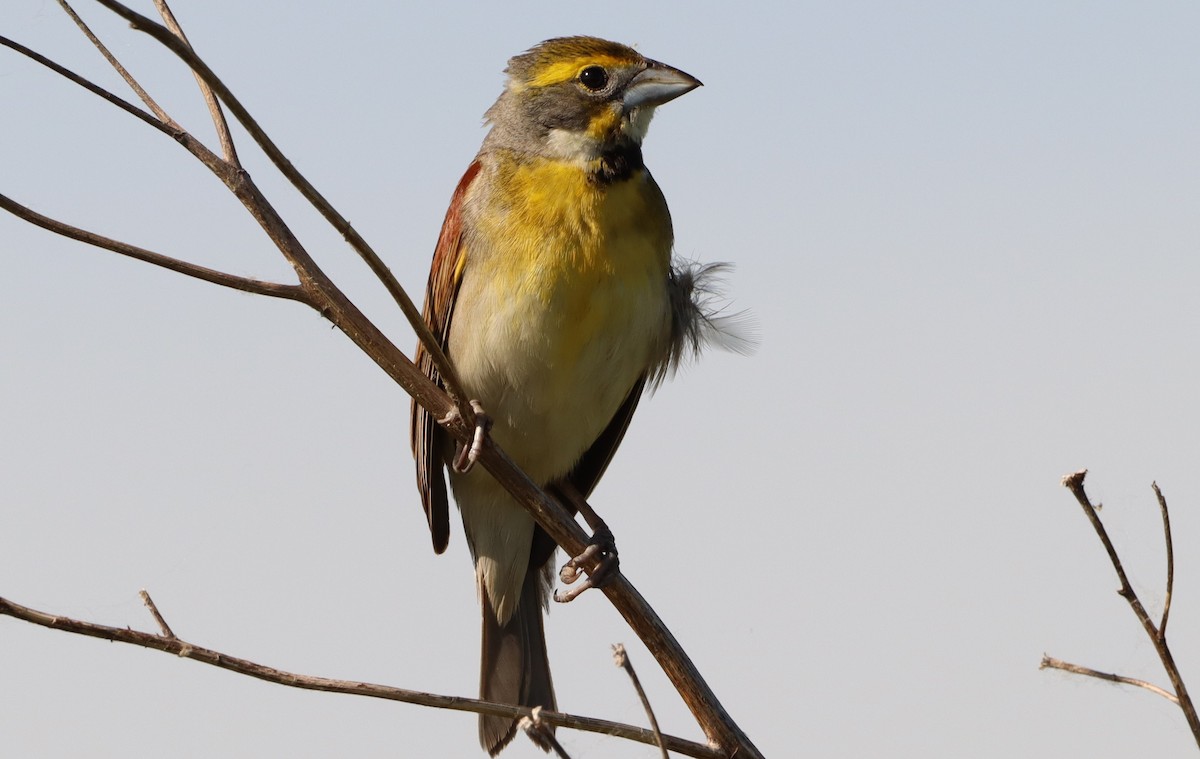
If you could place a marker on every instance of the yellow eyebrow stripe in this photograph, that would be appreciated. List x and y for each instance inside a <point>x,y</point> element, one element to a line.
<point>564,71</point>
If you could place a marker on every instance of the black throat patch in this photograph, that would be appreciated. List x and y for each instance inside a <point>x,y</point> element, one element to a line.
<point>618,163</point>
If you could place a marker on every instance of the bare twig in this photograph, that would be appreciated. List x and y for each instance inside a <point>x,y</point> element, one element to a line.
<point>323,294</point>
<point>1166,520</point>
<point>621,658</point>
<point>245,284</point>
<point>1049,662</point>
<point>162,623</point>
<point>179,647</point>
<point>214,105</point>
<point>160,33</point>
<point>112,61</point>
<point>1074,483</point>
<point>92,87</point>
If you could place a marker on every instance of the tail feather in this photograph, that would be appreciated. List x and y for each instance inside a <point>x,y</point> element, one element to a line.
<point>515,668</point>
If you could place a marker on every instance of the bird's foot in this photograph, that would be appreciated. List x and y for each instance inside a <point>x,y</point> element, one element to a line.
<point>599,560</point>
<point>466,456</point>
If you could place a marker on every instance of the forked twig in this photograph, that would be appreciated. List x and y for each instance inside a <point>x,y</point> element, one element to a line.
<point>121,70</point>
<point>1157,634</point>
<point>168,40</point>
<point>175,132</point>
<point>162,623</point>
<point>210,99</point>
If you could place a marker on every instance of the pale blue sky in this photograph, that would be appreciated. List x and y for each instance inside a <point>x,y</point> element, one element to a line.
<point>968,232</point>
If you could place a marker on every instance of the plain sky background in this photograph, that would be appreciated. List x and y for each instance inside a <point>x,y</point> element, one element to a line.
<point>968,233</point>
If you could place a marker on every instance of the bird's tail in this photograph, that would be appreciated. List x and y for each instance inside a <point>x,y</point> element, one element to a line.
<point>515,668</point>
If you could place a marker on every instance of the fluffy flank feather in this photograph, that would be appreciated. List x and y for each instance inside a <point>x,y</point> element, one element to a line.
<point>698,318</point>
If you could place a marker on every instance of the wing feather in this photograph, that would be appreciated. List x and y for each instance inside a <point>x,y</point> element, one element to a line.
<point>429,440</point>
<point>591,466</point>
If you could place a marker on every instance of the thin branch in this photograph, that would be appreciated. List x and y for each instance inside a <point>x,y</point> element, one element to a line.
<point>449,375</point>
<point>1074,483</point>
<point>1049,662</point>
<point>95,89</point>
<point>621,657</point>
<point>323,294</point>
<point>214,105</point>
<point>718,725</point>
<point>245,284</point>
<point>112,61</point>
<point>181,648</point>
<point>1166,520</point>
<point>162,623</point>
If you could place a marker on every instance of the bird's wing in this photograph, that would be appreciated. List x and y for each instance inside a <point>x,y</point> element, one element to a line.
<point>428,439</point>
<point>590,468</point>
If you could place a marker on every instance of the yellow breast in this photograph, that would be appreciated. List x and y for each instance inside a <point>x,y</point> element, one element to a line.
<point>574,277</point>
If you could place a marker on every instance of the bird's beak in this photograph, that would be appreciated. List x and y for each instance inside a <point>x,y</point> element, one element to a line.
<point>657,84</point>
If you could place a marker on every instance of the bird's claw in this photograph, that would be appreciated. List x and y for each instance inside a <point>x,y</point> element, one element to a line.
<point>466,457</point>
<point>599,560</point>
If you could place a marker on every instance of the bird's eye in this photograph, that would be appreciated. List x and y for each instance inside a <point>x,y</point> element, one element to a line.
<point>593,77</point>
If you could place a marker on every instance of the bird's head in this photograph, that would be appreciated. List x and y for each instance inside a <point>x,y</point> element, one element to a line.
<point>577,98</point>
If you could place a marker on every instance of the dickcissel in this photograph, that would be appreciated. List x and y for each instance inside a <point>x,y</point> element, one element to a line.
<point>552,290</point>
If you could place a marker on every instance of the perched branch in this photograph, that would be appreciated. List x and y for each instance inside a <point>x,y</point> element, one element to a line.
<point>1074,483</point>
<point>169,643</point>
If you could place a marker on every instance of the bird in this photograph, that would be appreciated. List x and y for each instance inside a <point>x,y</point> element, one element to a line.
<point>554,292</point>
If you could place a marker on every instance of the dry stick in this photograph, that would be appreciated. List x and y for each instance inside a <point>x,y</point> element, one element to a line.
<point>332,303</point>
<point>1074,483</point>
<point>174,645</point>
<point>175,132</point>
<point>162,623</point>
<point>112,60</point>
<point>1166,520</point>
<point>320,292</point>
<point>245,284</point>
<point>717,724</point>
<point>214,105</point>
<point>1049,662</point>
<point>621,657</point>
<point>449,375</point>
